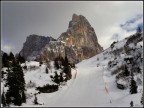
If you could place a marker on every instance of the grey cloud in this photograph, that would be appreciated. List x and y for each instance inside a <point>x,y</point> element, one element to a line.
<point>20,19</point>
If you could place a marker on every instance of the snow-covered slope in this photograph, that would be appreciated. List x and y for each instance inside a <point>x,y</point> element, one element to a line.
<point>93,81</point>
<point>94,84</point>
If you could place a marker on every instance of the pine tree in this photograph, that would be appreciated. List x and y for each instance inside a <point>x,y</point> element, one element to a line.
<point>40,63</point>
<point>127,73</point>
<point>17,99</point>
<point>56,79</point>
<point>23,97</point>
<point>16,83</point>
<point>2,73</point>
<point>61,77</point>
<point>46,70</point>
<point>131,104</point>
<point>3,99</point>
<point>66,62</point>
<point>56,64</point>
<point>142,99</point>
<point>35,100</point>
<point>11,57</point>
<point>20,59</point>
<point>62,61</point>
<point>133,86</point>
<point>5,60</point>
<point>8,101</point>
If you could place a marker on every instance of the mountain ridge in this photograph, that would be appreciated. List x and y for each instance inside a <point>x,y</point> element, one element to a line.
<point>79,39</point>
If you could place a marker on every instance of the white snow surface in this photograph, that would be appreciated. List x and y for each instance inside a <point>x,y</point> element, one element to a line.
<point>91,85</point>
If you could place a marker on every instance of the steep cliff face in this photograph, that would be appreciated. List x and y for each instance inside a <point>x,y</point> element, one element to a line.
<point>80,41</point>
<point>52,50</point>
<point>34,43</point>
<point>80,33</point>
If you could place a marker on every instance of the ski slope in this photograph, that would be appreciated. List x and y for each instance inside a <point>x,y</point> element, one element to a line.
<point>86,88</point>
<point>92,84</point>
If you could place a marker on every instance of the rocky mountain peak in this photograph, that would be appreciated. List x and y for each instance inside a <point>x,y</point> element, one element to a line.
<point>80,33</point>
<point>75,17</point>
<point>78,42</point>
<point>34,43</point>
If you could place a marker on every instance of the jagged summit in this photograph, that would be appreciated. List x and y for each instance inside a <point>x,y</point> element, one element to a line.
<point>34,43</point>
<point>78,42</point>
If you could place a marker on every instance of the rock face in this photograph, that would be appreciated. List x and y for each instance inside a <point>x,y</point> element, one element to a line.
<point>78,42</point>
<point>34,43</point>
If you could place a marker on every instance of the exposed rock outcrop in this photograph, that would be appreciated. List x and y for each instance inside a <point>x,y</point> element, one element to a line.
<point>78,42</point>
<point>34,43</point>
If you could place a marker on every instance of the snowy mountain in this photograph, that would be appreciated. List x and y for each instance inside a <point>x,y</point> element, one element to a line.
<point>101,81</point>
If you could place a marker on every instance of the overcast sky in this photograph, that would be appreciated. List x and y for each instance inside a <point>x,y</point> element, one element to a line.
<point>111,20</point>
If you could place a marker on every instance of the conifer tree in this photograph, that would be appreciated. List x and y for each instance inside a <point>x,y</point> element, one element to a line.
<point>8,101</point>
<point>35,100</point>
<point>62,61</point>
<point>56,64</point>
<point>131,104</point>
<point>16,84</point>
<point>142,99</point>
<point>5,60</point>
<point>66,62</point>
<point>133,85</point>
<point>20,59</point>
<point>61,77</point>
<point>23,97</point>
<point>46,70</point>
<point>56,79</point>
<point>11,57</point>
<point>127,73</point>
<point>3,99</point>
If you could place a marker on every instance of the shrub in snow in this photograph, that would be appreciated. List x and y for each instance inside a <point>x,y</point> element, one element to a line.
<point>31,84</point>
<point>25,67</point>
<point>120,86</point>
<point>48,88</point>
<point>40,63</point>
<point>112,63</point>
<point>51,76</point>
<point>112,45</point>
<point>105,58</point>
